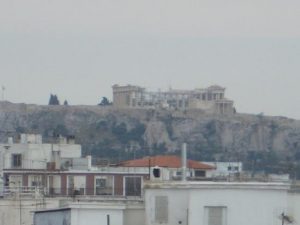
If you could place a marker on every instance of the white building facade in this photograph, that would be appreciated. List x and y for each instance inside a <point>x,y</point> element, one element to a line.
<point>31,153</point>
<point>215,203</point>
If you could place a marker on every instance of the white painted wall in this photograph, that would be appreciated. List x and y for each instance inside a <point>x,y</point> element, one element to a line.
<point>247,207</point>
<point>294,206</point>
<point>134,216</point>
<point>96,216</point>
<point>247,204</point>
<point>177,202</point>
<point>36,156</point>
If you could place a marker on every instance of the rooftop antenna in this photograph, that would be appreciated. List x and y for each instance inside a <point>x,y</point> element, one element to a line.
<point>183,162</point>
<point>3,90</point>
<point>285,219</point>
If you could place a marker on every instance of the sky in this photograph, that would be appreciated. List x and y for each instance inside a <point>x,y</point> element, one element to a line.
<point>78,49</point>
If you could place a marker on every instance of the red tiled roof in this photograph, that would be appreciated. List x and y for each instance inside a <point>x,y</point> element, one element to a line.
<point>169,161</point>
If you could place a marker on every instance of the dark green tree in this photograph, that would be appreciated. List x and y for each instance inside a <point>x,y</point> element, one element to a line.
<point>53,100</point>
<point>66,102</point>
<point>104,102</point>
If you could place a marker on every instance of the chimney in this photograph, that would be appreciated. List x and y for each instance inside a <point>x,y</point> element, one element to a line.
<point>89,158</point>
<point>183,161</point>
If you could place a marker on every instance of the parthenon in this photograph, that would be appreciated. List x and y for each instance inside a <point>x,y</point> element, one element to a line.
<point>211,99</point>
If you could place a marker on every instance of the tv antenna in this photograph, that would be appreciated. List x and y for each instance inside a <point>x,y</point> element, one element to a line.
<point>285,219</point>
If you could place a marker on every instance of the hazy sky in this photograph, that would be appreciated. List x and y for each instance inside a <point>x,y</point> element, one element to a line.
<point>79,49</point>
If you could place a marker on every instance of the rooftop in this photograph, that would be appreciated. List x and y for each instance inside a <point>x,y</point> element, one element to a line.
<point>169,161</point>
<point>216,185</point>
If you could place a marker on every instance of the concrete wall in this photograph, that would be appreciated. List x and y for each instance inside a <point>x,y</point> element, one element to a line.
<point>33,155</point>
<point>83,216</point>
<point>177,202</point>
<point>10,210</point>
<point>134,216</point>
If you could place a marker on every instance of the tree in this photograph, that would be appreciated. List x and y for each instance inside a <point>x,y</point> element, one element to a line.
<point>53,100</point>
<point>104,102</point>
<point>66,102</point>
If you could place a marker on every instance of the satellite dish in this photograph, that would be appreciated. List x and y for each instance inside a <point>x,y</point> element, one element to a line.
<point>286,219</point>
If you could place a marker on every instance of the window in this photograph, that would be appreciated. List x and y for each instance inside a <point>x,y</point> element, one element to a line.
<point>133,186</point>
<point>15,181</point>
<point>54,184</point>
<point>178,173</point>
<point>35,180</point>
<point>186,104</point>
<point>233,168</point>
<point>215,215</point>
<point>127,99</point>
<point>76,185</point>
<point>199,173</point>
<point>156,172</point>
<point>209,96</point>
<point>161,209</point>
<point>104,185</point>
<point>16,160</point>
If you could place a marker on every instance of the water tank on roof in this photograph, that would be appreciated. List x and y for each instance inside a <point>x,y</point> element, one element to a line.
<point>156,172</point>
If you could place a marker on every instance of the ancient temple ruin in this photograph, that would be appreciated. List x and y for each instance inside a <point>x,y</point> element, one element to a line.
<point>211,99</point>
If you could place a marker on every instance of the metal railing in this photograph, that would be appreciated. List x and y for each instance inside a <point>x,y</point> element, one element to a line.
<point>35,192</point>
<point>105,192</point>
<point>22,191</point>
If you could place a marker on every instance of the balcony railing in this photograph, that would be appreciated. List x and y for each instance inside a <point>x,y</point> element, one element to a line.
<point>36,192</point>
<point>22,191</point>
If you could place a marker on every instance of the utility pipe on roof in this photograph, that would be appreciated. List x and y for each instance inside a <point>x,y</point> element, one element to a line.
<point>183,162</point>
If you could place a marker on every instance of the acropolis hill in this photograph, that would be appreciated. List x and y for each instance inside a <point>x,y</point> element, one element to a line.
<point>121,133</point>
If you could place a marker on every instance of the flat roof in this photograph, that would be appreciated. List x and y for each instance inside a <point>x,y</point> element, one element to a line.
<point>52,210</point>
<point>216,185</point>
<point>96,205</point>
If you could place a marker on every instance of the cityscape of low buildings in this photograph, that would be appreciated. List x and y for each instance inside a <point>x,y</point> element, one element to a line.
<point>211,99</point>
<point>52,183</point>
<point>186,203</point>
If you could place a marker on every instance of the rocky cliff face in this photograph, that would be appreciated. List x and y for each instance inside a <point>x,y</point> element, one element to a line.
<point>124,133</point>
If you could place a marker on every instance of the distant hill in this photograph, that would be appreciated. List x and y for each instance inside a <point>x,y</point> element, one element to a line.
<point>264,143</point>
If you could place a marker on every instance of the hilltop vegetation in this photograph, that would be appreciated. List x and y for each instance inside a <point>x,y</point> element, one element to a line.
<point>270,144</point>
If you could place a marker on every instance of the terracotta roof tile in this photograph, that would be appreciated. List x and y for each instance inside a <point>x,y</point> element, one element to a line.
<point>169,161</point>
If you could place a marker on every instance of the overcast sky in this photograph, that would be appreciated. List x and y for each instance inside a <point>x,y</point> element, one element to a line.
<point>79,49</point>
